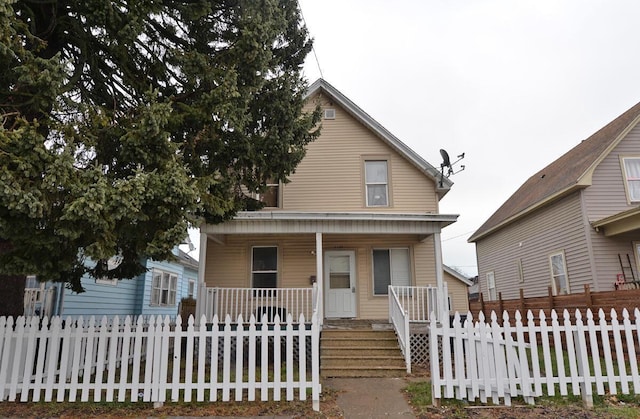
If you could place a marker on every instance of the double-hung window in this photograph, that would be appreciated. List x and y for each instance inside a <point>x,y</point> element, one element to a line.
<point>264,267</point>
<point>163,290</point>
<point>559,279</point>
<point>390,267</point>
<point>492,294</point>
<point>271,195</point>
<point>632,177</point>
<point>376,178</point>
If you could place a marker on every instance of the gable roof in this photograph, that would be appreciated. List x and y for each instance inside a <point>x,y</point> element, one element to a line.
<point>570,172</point>
<point>457,275</point>
<point>392,141</point>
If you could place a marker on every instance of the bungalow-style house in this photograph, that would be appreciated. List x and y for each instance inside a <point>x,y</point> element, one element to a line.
<point>156,292</point>
<point>360,213</point>
<point>575,222</point>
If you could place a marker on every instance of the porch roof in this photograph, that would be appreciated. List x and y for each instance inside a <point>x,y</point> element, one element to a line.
<point>622,222</point>
<point>295,222</point>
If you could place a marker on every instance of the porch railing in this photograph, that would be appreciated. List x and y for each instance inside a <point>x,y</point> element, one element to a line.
<point>419,302</point>
<point>38,301</point>
<point>259,302</point>
<point>399,318</point>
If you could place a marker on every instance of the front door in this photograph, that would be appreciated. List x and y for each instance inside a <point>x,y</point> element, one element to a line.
<point>340,284</point>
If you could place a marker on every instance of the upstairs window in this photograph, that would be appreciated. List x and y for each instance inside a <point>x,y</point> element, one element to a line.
<point>376,179</point>
<point>632,177</point>
<point>492,294</point>
<point>271,195</point>
<point>559,279</point>
<point>264,267</point>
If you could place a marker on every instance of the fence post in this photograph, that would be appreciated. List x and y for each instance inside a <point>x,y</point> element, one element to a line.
<point>588,301</point>
<point>550,299</point>
<point>522,308</point>
<point>481,304</point>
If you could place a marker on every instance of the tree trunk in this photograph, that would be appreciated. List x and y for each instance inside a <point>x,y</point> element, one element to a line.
<point>11,289</point>
<point>12,292</point>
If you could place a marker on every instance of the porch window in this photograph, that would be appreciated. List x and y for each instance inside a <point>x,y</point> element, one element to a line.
<point>390,267</point>
<point>492,295</point>
<point>264,267</point>
<point>191,288</point>
<point>632,177</point>
<point>559,279</point>
<point>376,182</point>
<point>163,290</point>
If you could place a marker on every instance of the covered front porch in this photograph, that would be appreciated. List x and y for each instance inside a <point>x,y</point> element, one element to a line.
<point>342,261</point>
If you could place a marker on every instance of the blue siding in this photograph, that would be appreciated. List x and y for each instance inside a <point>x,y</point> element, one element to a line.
<point>128,296</point>
<point>102,299</point>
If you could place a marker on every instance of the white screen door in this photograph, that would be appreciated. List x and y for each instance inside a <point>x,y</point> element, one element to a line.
<point>340,284</point>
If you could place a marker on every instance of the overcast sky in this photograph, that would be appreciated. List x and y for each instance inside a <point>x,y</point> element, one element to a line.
<point>513,84</point>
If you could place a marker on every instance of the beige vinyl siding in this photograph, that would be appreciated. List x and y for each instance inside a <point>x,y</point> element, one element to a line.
<point>606,195</point>
<point>459,293</point>
<point>228,265</point>
<point>331,176</point>
<point>552,229</point>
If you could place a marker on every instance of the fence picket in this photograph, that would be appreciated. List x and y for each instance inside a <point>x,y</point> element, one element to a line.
<point>239,358</point>
<point>501,361</point>
<point>571,353</point>
<point>617,341</point>
<point>595,352</point>
<point>105,360</point>
<point>251,363</point>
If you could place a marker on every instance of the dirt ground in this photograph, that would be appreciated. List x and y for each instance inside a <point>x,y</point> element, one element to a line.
<point>329,409</point>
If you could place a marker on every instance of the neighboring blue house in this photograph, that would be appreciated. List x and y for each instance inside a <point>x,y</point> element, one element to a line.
<point>158,292</point>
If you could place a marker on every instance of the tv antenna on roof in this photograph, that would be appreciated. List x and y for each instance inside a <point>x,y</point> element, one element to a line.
<point>446,162</point>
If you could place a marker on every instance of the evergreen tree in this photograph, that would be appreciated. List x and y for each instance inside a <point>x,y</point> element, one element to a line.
<point>124,122</point>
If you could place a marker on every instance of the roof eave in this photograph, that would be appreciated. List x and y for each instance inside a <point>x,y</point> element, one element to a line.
<point>551,198</point>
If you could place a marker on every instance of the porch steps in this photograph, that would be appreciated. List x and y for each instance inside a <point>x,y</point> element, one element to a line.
<point>360,352</point>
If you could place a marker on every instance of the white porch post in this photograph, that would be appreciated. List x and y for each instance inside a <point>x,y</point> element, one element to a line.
<point>201,302</point>
<point>439,280</point>
<point>320,278</point>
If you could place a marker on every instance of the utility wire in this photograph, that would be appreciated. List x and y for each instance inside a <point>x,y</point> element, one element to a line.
<point>313,49</point>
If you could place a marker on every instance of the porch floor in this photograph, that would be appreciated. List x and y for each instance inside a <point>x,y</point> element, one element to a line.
<point>353,324</point>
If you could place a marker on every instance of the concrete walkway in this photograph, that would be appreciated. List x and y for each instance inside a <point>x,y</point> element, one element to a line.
<point>371,397</point>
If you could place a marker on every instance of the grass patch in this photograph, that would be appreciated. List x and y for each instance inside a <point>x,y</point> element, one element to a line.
<point>624,406</point>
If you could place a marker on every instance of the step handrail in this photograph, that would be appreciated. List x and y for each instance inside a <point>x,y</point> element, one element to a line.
<point>399,318</point>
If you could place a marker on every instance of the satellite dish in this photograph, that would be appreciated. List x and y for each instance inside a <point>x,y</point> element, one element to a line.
<point>446,162</point>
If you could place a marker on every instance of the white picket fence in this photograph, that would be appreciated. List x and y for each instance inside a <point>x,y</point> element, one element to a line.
<point>158,360</point>
<point>534,356</point>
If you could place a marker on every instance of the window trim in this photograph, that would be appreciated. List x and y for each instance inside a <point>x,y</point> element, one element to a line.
<point>623,168</point>
<point>171,275</point>
<point>564,272</point>
<point>278,186</point>
<point>389,189</point>
<point>389,249</point>
<point>492,275</point>
<point>277,270</point>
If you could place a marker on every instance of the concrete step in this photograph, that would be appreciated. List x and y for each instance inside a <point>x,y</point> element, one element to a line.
<point>377,362</point>
<point>360,353</point>
<point>329,350</point>
<point>362,372</point>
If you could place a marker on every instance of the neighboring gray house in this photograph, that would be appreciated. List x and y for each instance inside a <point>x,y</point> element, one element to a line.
<point>575,222</point>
